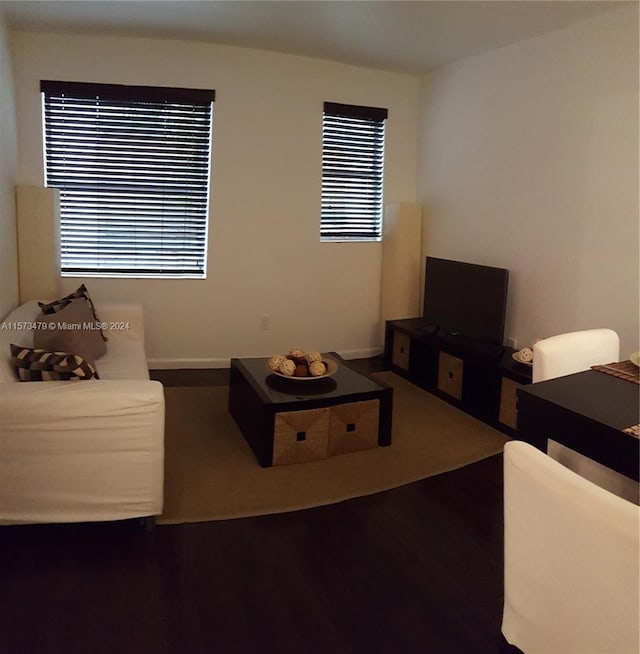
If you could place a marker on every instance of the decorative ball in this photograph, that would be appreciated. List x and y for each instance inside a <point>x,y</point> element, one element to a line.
<point>526,354</point>
<point>314,356</point>
<point>301,370</point>
<point>275,362</point>
<point>287,367</point>
<point>317,369</point>
<point>296,352</point>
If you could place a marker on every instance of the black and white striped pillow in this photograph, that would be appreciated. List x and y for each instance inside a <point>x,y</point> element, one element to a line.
<point>33,364</point>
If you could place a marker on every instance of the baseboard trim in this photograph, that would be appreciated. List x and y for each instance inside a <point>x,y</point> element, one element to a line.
<point>187,364</point>
<point>198,364</point>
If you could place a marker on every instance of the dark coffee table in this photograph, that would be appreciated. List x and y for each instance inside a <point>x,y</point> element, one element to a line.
<point>287,421</point>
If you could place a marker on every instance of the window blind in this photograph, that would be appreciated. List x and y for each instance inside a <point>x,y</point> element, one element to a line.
<point>132,165</point>
<point>352,172</point>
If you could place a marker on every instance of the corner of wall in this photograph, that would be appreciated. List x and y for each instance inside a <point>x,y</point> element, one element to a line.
<point>8,164</point>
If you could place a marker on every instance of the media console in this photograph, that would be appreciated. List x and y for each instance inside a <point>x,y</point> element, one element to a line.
<point>480,380</point>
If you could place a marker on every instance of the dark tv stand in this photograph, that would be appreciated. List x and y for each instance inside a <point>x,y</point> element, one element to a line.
<point>478,378</point>
<point>429,329</point>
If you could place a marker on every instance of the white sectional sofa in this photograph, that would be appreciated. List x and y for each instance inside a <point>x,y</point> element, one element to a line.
<point>81,450</point>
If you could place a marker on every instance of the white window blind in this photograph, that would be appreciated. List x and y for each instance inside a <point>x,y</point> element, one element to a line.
<point>132,164</point>
<point>352,172</point>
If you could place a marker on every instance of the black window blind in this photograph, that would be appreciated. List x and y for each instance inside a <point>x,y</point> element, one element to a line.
<point>132,165</point>
<point>352,172</point>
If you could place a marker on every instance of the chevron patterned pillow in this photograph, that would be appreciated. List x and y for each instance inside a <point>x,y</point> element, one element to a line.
<point>49,308</point>
<point>40,365</point>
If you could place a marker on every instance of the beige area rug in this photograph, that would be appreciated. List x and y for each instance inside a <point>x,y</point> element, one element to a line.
<point>212,474</point>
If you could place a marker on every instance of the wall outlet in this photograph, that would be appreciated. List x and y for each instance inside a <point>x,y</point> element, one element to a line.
<point>265,323</point>
<point>511,342</point>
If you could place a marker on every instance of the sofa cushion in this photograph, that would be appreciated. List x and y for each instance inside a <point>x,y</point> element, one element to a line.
<point>71,329</point>
<point>125,359</point>
<point>55,306</point>
<point>40,365</point>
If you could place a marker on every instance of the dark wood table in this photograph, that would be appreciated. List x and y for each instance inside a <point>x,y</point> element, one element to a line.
<point>286,421</point>
<point>587,412</point>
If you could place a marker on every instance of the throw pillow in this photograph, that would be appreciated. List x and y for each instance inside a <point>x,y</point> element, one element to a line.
<point>39,365</point>
<point>49,308</point>
<point>71,329</point>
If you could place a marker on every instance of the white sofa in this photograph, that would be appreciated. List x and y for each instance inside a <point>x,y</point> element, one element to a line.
<point>81,450</point>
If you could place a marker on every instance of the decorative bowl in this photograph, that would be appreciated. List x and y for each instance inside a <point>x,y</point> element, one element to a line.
<point>518,357</point>
<point>330,364</point>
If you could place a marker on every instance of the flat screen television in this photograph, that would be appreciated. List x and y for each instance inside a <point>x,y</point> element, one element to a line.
<point>465,301</point>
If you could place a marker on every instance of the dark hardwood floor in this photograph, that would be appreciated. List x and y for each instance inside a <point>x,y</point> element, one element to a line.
<point>413,570</point>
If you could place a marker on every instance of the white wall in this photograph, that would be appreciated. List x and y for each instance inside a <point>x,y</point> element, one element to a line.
<point>8,154</point>
<point>265,257</point>
<point>529,160</point>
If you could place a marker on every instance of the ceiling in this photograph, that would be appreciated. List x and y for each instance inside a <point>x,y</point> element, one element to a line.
<point>412,37</point>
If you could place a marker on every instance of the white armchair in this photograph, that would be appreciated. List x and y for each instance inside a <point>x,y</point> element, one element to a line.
<point>572,352</point>
<point>571,560</point>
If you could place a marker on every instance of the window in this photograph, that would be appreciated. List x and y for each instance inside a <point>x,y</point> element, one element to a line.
<point>132,165</point>
<point>352,172</point>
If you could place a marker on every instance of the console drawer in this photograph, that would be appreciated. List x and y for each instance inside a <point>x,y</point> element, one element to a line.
<point>450,374</point>
<point>508,412</point>
<point>401,350</point>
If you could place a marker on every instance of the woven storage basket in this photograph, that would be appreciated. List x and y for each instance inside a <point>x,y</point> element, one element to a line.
<point>300,436</point>
<point>353,427</point>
